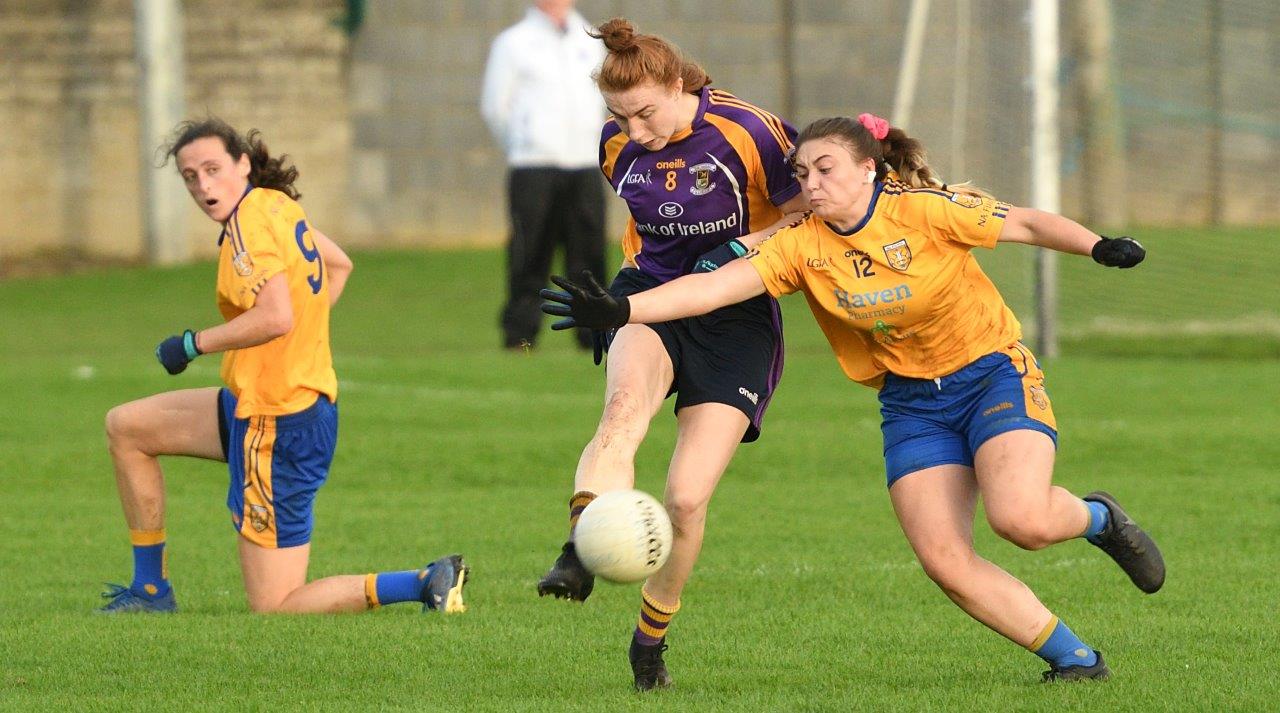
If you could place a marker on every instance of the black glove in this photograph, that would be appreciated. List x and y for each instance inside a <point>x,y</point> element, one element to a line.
<point>585,305</point>
<point>1119,252</point>
<point>599,345</point>
<point>176,352</point>
<point>720,256</point>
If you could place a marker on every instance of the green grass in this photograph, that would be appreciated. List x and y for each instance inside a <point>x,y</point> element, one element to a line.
<point>806,596</point>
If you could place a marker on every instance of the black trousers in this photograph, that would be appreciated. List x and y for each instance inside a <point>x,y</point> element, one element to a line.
<point>549,207</point>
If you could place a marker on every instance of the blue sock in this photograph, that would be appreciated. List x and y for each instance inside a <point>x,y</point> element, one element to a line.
<point>1061,648</point>
<point>1099,516</point>
<point>393,587</point>
<point>150,578</point>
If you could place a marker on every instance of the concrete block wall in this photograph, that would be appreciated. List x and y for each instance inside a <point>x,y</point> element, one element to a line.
<point>69,151</point>
<point>386,131</point>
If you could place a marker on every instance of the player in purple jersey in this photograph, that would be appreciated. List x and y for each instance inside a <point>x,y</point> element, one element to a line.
<point>706,178</point>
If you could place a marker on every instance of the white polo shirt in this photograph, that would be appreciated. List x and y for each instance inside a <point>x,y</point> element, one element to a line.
<point>539,99</point>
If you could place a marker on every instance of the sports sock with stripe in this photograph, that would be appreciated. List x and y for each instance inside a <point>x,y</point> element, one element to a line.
<point>577,504</point>
<point>150,568</point>
<point>1061,648</point>
<point>394,587</point>
<point>654,619</point>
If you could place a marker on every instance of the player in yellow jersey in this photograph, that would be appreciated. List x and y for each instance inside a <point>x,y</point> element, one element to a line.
<point>276,422</point>
<point>884,262</point>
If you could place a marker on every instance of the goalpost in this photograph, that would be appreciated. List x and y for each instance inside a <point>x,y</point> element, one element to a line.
<point>161,102</point>
<point>1045,154</point>
<point>1046,163</point>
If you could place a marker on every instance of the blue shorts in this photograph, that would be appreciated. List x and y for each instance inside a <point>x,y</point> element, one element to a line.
<point>277,464</point>
<point>929,422</point>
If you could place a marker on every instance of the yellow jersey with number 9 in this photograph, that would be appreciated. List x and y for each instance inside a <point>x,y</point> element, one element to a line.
<point>266,235</point>
<point>900,292</point>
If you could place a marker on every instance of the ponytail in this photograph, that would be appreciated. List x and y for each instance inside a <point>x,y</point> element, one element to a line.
<point>896,152</point>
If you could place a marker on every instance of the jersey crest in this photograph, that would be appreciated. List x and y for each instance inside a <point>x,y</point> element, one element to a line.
<point>702,183</point>
<point>243,263</point>
<point>899,255</point>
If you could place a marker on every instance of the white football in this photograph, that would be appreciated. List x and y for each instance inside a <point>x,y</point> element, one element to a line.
<point>623,536</point>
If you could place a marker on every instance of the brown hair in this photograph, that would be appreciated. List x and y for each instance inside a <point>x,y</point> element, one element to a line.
<point>264,171</point>
<point>635,59</point>
<point>896,151</point>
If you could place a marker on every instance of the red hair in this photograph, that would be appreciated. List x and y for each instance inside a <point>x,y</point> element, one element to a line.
<point>635,59</point>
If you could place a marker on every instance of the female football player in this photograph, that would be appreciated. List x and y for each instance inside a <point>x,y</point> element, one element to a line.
<point>704,175</point>
<point>275,423</point>
<point>884,262</point>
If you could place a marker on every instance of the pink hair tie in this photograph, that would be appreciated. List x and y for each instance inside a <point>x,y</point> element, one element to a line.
<point>878,127</point>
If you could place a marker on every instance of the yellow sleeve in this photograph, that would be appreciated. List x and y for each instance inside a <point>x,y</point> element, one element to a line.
<point>776,260</point>
<point>259,255</point>
<point>967,220</point>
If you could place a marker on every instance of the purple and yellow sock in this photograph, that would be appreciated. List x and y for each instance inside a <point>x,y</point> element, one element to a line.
<point>654,618</point>
<point>150,566</point>
<point>577,504</point>
<point>394,587</point>
<point>1061,648</point>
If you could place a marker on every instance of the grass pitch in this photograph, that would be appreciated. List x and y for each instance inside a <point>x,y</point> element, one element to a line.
<point>806,597</point>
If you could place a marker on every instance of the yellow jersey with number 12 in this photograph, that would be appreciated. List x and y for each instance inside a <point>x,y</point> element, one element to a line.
<point>266,235</point>
<point>900,292</point>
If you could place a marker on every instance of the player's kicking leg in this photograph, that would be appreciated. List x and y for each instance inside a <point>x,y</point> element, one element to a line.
<point>634,391</point>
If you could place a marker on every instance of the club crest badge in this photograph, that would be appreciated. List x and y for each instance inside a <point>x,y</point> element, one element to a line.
<point>899,255</point>
<point>1039,397</point>
<point>965,200</point>
<point>259,517</point>
<point>242,263</point>
<point>702,183</point>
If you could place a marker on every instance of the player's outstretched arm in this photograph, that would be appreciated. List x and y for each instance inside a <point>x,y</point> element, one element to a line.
<point>587,304</point>
<point>1050,230</point>
<point>336,262</point>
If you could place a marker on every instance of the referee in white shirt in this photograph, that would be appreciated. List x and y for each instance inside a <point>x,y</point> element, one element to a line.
<point>545,110</point>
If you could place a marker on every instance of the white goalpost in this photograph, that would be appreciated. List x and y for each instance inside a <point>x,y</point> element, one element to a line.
<point>161,102</point>
<point>1043,150</point>
<point>1046,163</point>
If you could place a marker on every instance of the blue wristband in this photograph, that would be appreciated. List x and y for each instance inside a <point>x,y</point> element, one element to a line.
<point>737,247</point>
<point>189,344</point>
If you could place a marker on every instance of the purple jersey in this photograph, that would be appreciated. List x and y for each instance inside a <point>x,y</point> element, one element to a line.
<point>721,178</point>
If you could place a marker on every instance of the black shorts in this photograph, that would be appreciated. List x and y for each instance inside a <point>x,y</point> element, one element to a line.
<point>731,356</point>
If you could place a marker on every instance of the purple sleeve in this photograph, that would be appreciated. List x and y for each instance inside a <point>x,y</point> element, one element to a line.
<point>780,180</point>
